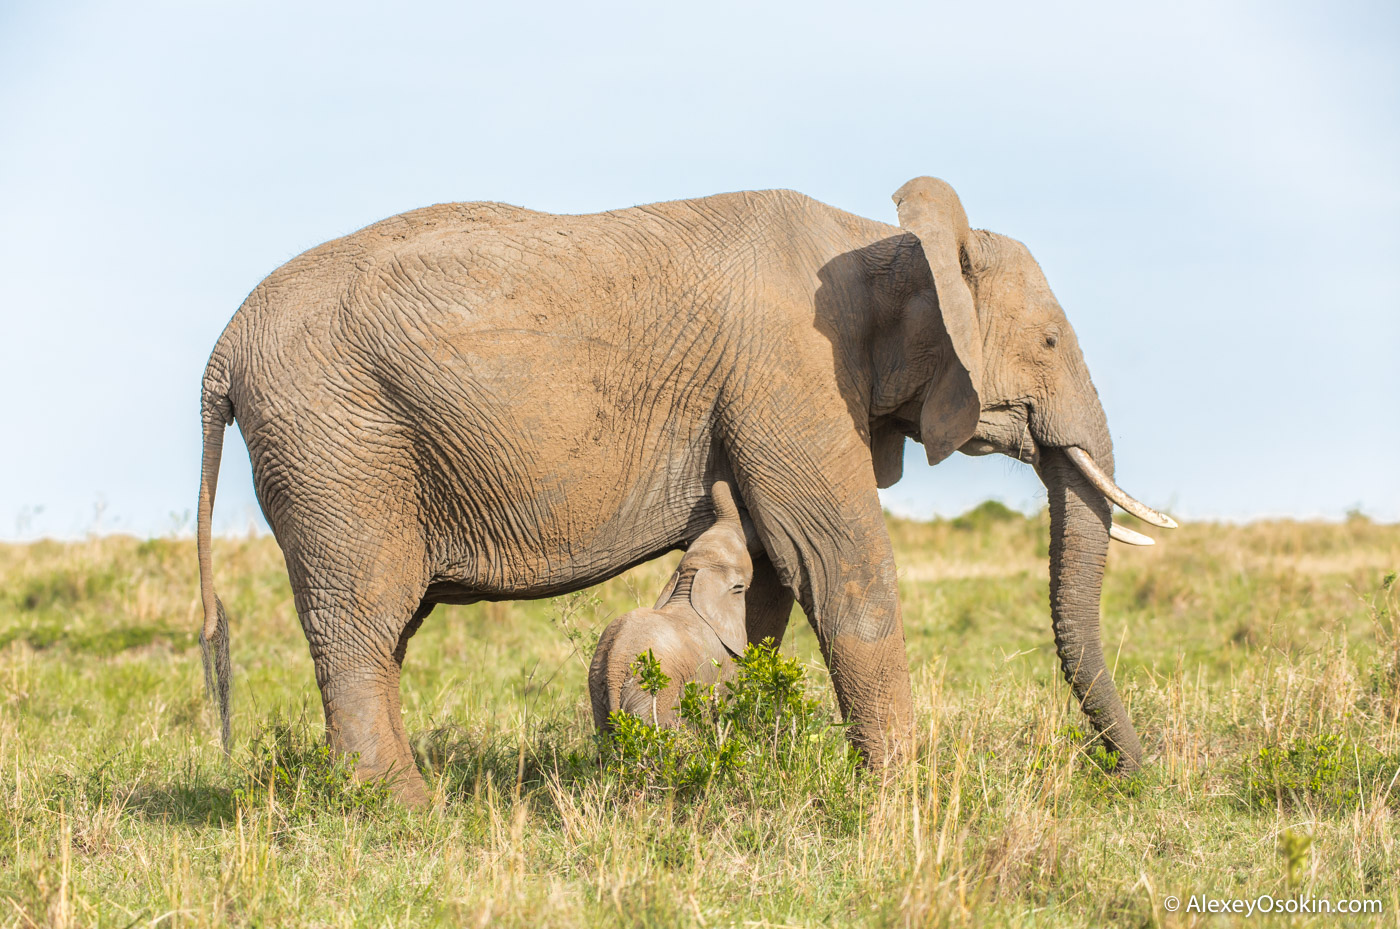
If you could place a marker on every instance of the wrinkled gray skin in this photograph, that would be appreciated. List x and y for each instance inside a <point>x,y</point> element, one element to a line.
<point>694,631</point>
<point>479,402</point>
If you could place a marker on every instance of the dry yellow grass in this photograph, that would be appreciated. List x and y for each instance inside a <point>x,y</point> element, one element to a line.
<point>1261,664</point>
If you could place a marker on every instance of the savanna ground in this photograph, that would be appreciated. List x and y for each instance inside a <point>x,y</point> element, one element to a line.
<point>1261,664</point>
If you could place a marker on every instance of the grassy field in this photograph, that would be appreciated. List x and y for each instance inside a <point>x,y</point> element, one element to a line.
<point>1261,664</point>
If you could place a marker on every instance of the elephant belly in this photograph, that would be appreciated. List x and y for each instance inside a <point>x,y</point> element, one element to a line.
<point>553,450</point>
<point>551,492</point>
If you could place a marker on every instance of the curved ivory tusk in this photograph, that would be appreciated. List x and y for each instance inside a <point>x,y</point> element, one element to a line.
<point>1129,537</point>
<point>1085,463</point>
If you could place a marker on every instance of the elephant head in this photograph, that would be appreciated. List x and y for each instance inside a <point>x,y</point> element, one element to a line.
<point>694,630</point>
<point>1008,377</point>
<point>714,573</point>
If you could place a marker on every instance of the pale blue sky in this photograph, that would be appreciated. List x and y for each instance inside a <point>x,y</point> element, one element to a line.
<point>1213,190</point>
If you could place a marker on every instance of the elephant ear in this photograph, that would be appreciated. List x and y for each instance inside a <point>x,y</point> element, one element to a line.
<point>952,402</point>
<point>886,454</point>
<point>713,596</point>
<point>668,590</point>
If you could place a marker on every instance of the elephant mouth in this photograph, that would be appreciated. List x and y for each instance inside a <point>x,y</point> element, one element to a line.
<point>1105,485</point>
<point>1026,450</point>
<point>1004,429</point>
<point>1096,476</point>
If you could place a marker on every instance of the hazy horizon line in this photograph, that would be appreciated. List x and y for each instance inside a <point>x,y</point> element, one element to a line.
<point>183,527</point>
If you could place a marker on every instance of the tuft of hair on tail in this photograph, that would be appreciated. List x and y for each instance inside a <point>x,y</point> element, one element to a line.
<point>213,649</point>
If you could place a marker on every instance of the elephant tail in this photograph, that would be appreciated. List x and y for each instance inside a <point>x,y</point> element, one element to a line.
<point>217,412</point>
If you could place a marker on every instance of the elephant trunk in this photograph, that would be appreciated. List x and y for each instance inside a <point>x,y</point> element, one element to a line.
<point>1080,516</point>
<point>722,496</point>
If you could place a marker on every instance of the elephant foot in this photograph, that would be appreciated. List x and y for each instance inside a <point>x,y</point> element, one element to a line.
<point>882,746</point>
<point>876,709</point>
<point>407,784</point>
<point>365,720</point>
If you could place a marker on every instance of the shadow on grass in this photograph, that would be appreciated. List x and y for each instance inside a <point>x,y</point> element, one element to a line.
<point>471,764</point>
<point>198,803</point>
<point>760,742</point>
<point>197,797</point>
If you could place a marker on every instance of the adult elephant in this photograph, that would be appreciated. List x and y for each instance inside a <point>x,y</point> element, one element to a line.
<point>479,402</point>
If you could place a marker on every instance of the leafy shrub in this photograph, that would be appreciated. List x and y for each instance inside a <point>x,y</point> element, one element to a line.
<point>763,721</point>
<point>1328,771</point>
<point>987,513</point>
<point>103,642</point>
<point>64,589</point>
<point>1293,848</point>
<point>570,614</point>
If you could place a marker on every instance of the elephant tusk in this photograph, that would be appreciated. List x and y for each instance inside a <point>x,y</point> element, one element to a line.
<point>1085,463</point>
<point>1129,537</point>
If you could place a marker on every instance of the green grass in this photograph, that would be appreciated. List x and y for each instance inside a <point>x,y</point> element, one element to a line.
<point>1261,664</point>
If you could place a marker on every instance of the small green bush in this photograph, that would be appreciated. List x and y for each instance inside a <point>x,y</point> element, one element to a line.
<point>1385,669</point>
<point>102,643</point>
<point>1328,771</point>
<point>1102,780</point>
<point>763,721</point>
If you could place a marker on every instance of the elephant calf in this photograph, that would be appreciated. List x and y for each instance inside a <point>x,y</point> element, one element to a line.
<point>694,630</point>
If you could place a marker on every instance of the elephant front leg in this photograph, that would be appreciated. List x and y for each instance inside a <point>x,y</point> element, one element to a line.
<point>869,669</point>
<point>825,536</point>
<point>858,623</point>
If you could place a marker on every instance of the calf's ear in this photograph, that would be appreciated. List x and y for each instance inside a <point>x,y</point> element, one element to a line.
<point>668,590</point>
<point>715,598</point>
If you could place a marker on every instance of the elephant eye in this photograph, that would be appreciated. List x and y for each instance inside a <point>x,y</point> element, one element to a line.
<point>739,588</point>
<point>1052,338</point>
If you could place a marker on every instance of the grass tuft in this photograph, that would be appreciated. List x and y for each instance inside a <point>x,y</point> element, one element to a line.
<point>293,770</point>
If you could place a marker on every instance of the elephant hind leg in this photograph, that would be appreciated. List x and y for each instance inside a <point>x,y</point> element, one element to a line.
<point>358,640</point>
